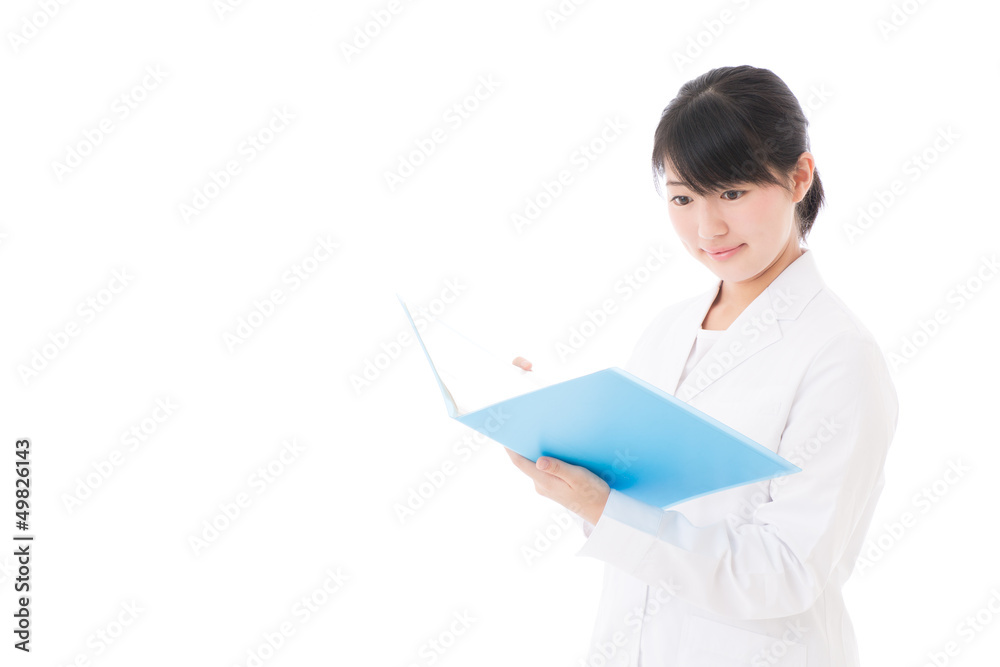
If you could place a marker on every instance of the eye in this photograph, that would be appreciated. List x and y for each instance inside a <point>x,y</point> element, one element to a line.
<point>680,197</point>
<point>739,192</point>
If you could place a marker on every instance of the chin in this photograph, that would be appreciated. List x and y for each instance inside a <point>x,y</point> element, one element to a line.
<point>731,273</point>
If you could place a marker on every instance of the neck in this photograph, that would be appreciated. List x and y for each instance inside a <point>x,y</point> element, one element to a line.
<point>740,295</point>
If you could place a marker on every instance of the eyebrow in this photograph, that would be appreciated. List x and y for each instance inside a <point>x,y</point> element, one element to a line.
<point>722,188</point>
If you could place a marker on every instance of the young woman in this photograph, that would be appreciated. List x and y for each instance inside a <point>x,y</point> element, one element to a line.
<point>752,575</point>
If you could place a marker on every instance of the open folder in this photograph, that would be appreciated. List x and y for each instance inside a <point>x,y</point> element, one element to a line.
<point>641,440</point>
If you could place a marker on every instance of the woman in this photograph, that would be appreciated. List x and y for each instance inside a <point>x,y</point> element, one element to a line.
<point>752,575</point>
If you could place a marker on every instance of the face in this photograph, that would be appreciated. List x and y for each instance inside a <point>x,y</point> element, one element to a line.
<point>756,222</point>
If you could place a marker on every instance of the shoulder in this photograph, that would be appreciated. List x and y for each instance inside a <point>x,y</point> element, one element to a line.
<point>826,317</point>
<point>837,336</point>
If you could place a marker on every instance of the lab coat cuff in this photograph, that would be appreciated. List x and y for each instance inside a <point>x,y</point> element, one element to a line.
<point>585,525</point>
<point>624,533</point>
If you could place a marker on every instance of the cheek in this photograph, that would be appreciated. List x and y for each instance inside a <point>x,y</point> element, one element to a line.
<point>684,225</point>
<point>757,219</point>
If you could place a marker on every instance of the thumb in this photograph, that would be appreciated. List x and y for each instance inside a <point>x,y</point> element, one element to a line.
<point>549,465</point>
<point>523,363</point>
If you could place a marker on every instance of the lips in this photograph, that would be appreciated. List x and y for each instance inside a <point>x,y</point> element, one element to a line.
<point>716,251</point>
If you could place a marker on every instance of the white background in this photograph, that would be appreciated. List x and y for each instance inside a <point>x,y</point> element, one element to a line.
<point>875,99</point>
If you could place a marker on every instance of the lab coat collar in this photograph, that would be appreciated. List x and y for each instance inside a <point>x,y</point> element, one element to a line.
<point>758,326</point>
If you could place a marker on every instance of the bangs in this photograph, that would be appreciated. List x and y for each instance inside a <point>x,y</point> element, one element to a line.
<point>710,146</point>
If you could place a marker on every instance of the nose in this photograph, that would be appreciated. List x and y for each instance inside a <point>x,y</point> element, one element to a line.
<point>710,223</point>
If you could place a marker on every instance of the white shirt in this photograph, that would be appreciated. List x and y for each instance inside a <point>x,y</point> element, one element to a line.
<point>702,344</point>
<point>753,575</point>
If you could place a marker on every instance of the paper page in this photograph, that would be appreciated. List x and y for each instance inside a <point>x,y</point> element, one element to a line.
<point>472,375</point>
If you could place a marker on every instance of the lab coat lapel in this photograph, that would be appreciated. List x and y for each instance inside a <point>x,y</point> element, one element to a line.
<point>757,327</point>
<point>675,346</point>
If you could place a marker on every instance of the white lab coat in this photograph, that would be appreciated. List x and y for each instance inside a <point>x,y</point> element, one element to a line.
<point>753,575</point>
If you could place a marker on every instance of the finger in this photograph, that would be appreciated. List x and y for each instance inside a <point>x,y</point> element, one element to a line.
<point>553,467</point>
<point>528,467</point>
<point>549,465</point>
<point>573,475</point>
<point>522,363</point>
<point>521,462</point>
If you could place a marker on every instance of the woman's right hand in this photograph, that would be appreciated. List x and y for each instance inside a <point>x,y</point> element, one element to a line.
<point>522,363</point>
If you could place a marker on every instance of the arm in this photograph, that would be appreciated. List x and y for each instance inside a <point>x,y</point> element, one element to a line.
<point>777,561</point>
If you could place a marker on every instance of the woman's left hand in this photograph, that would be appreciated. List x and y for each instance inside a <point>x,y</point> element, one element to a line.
<point>574,487</point>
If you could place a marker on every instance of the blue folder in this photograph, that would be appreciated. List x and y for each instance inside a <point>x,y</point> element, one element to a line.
<point>641,440</point>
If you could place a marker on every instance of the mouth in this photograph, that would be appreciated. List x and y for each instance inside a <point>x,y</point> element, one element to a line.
<point>724,253</point>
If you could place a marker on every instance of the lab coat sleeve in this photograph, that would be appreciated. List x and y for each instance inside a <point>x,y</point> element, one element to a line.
<point>774,560</point>
<point>585,525</point>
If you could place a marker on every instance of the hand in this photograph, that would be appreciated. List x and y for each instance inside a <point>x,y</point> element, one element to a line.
<point>572,486</point>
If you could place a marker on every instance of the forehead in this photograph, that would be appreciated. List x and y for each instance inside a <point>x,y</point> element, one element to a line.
<point>672,178</point>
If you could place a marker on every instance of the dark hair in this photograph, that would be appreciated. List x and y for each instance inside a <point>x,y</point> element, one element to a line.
<point>736,125</point>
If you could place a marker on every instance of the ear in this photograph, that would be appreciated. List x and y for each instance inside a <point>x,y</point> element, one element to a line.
<point>802,176</point>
